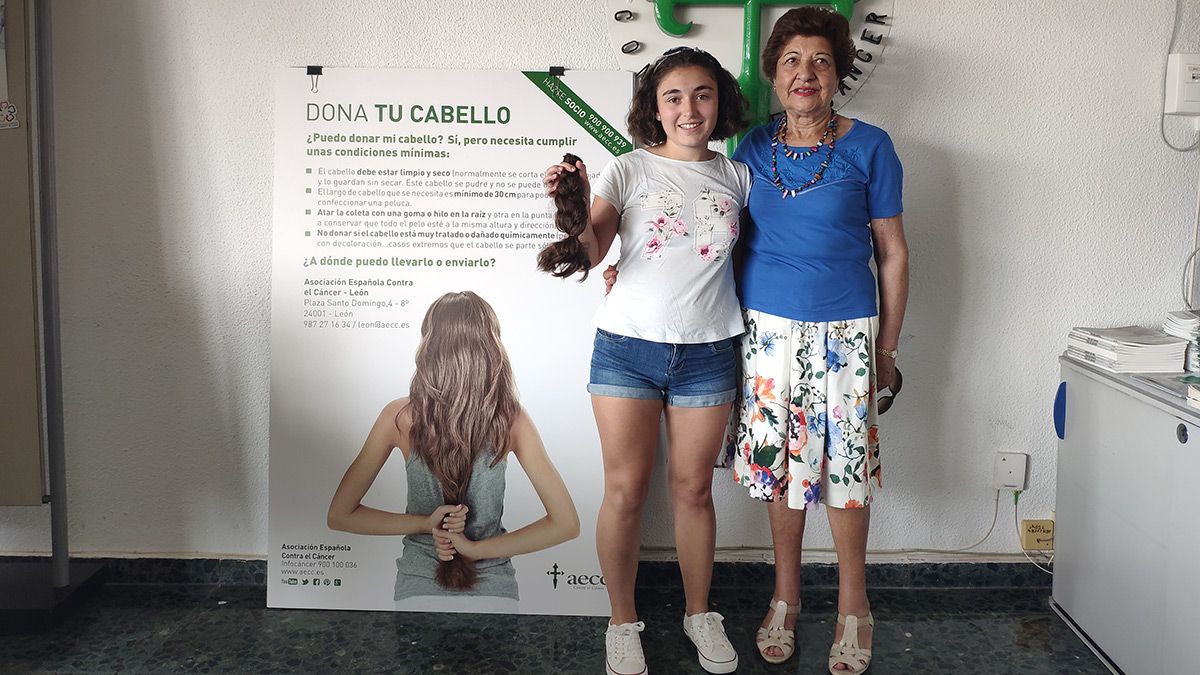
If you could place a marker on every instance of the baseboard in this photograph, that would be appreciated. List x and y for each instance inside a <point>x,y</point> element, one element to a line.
<point>651,573</point>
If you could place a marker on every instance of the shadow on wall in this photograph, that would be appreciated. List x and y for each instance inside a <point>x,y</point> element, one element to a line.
<point>925,466</point>
<point>922,466</point>
<point>162,314</point>
<point>921,443</point>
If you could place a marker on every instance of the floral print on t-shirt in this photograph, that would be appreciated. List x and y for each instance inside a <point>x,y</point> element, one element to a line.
<point>716,227</point>
<point>666,225</point>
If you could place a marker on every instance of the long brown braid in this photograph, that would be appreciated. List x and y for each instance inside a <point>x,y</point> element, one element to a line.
<point>568,256</point>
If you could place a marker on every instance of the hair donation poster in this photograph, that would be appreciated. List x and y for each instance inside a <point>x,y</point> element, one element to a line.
<point>394,188</point>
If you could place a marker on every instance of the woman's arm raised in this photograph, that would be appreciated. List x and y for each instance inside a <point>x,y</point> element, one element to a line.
<point>346,510</point>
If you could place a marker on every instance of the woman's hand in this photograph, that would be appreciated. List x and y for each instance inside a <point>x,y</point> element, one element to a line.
<point>610,278</point>
<point>451,517</point>
<point>442,545</point>
<point>885,371</point>
<point>447,524</point>
<point>550,178</point>
<point>457,542</point>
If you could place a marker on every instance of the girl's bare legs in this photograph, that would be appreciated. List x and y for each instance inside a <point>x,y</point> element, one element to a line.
<point>787,537</point>
<point>628,439</point>
<point>694,437</point>
<point>849,527</point>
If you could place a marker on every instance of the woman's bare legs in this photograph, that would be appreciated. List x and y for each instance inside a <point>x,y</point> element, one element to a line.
<point>849,527</point>
<point>787,538</point>
<point>694,437</point>
<point>628,439</point>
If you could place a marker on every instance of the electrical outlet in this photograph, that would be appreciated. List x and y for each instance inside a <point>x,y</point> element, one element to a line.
<point>1008,473</point>
<point>1183,85</point>
<point>1037,535</point>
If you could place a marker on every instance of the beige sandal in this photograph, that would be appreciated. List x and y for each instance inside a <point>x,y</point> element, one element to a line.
<point>846,651</point>
<point>775,635</point>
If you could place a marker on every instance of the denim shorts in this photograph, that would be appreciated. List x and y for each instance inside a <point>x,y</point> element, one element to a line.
<point>685,375</point>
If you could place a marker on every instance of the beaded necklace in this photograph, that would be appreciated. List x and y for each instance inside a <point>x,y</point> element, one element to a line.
<point>779,139</point>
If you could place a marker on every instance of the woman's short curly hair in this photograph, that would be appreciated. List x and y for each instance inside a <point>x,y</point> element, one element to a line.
<point>810,21</point>
<point>731,104</point>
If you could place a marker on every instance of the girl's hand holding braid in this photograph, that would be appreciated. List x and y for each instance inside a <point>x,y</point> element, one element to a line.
<point>552,175</point>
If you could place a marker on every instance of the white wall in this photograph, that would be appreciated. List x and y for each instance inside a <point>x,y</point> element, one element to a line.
<point>1038,196</point>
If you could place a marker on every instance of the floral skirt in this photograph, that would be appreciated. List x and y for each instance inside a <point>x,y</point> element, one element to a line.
<point>805,428</point>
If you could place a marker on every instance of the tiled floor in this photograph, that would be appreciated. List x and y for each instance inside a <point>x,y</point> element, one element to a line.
<point>226,628</point>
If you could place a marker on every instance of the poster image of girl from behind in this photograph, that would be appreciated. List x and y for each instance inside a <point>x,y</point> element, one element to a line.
<point>455,431</point>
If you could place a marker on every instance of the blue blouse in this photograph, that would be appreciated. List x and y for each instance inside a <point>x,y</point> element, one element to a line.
<point>807,257</point>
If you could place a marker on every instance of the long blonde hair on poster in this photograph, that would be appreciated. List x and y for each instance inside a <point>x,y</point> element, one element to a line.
<point>462,401</point>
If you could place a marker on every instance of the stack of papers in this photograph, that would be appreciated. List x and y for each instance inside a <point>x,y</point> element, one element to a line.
<point>1128,349</point>
<point>1193,396</point>
<point>1184,325</point>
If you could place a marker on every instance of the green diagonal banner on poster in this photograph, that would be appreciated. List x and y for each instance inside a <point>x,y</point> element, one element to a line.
<point>581,112</point>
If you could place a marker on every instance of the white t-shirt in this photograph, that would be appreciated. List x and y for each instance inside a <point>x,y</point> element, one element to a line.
<point>679,222</point>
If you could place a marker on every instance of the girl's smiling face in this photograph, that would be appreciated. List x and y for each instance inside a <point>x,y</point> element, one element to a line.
<point>687,110</point>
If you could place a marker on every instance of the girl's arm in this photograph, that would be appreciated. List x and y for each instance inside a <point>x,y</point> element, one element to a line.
<point>891,259</point>
<point>561,522</point>
<point>603,218</point>
<point>603,221</point>
<point>346,511</point>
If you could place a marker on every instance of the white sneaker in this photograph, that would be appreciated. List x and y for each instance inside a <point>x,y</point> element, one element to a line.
<point>623,649</point>
<point>707,633</point>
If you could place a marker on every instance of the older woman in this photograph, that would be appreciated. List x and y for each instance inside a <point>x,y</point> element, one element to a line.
<point>826,198</point>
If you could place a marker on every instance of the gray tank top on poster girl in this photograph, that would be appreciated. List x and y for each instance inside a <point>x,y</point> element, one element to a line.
<point>416,568</point>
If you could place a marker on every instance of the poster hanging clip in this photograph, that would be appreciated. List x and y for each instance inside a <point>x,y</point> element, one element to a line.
<point>558,71</point>
<point>314,73</point>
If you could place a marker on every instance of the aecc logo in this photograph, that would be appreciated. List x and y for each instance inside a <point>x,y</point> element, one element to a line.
<point>575,580</point>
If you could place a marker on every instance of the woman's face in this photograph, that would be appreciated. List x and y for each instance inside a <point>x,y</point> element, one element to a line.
<point>805,76</point>
<point>687,106</point>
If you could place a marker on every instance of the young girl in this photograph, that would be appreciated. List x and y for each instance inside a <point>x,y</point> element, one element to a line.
<point>455,431</point>
<point>665,342</point>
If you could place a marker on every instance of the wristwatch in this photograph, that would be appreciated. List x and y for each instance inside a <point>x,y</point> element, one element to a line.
<point>890,353</point>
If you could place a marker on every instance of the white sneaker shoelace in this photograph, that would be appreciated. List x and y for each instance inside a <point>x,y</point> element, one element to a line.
<point>623,648</point>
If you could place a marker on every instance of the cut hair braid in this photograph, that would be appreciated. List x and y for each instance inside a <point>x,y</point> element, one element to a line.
<point>568,256</point>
